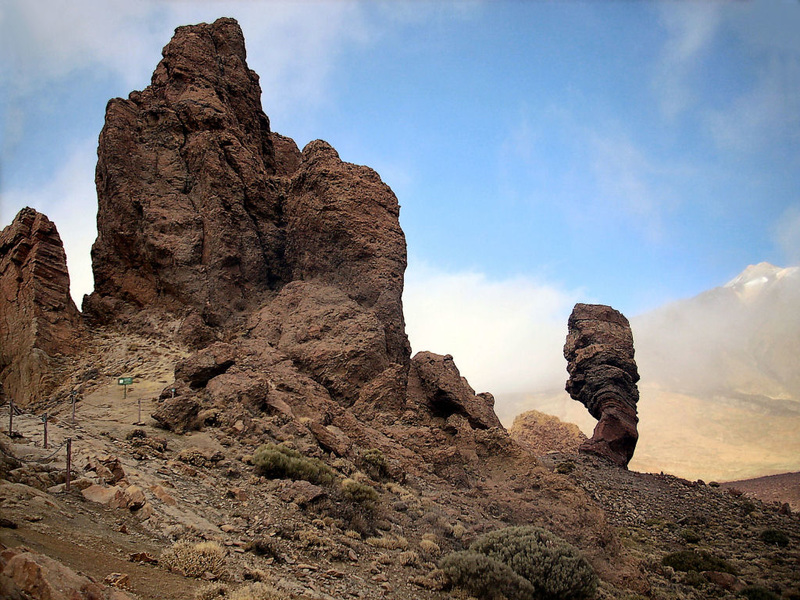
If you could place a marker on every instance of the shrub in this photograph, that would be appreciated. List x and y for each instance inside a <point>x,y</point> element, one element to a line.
<point>485,577</point>
<point>281,462</point>
<point>258,591</point>
<point>689,560</point>
<point>360,493</point>
<point>374,463</point>
<point>757,592</point>
<point>566,467</point>
<point>389,542</point>
<point>194,559</point>
<point>429,547</point>
<point>775,537</point>
<point>690,535</point>
<point>550,567</point>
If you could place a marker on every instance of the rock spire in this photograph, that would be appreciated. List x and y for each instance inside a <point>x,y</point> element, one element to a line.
<point>38,319</point>
<point>603,376</point>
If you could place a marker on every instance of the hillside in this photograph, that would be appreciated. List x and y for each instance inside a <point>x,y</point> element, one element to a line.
<point>308,541</point>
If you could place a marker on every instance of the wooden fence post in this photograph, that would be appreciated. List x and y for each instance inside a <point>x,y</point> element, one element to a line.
<point>44,420</point>
<point>69,463</point>
<point>10,417</point>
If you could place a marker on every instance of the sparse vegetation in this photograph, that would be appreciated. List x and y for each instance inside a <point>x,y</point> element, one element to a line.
<point>689,560</point>
<point>690,535</point>
<point>522,562</point>
<point>374,464</point>
<point>360,493</point>
<point>281,462</point>
<point>566,467</point>
<point>194,559</point>
<point>757,592</point>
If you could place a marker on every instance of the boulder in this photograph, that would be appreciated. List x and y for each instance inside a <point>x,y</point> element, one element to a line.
<point>541,433</point>
<point>602,376</point>
<point>446,392</point>
<point>38,319</point>
<point>202,366</point>
<point>34,575</point>
<point>179,414</point>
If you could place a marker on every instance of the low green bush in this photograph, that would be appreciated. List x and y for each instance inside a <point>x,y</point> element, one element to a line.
<point>374,464</point>
<point>757,592</point>
<point>689,560</point>
<point>360,493</point>
<point>281,462</point>
<point>553,568</point>
<point>485,577</point>
<point>775,537</point>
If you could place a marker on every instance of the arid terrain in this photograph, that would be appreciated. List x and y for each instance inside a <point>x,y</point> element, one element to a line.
<point>236,412</point>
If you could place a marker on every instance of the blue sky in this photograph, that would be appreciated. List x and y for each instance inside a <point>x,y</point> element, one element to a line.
<point>543,152</point>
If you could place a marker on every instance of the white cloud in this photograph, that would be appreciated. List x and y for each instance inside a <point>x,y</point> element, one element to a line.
<point>70,201</point>
<point>504,335</point>
<point>787,234</point>
<point>691,28</point>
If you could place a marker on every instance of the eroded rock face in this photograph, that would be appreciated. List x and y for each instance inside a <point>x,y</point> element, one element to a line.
<point>189,208</point>
<point>448,394</point>
<point>202,207</point>
<point>343,228</point>
<point>38,319</point>
<point>602,376</point>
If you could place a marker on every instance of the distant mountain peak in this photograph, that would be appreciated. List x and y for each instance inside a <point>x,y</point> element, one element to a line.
<point>755,276</point>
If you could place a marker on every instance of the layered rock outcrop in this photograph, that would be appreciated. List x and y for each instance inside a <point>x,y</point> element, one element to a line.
<point>602,376</point>
<point>38,319</point>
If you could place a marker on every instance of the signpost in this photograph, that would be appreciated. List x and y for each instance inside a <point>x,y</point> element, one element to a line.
<point>125,382</point>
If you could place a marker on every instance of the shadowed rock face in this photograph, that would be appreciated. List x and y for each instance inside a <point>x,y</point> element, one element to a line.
<point>603,376</point>
<point>38,319</point>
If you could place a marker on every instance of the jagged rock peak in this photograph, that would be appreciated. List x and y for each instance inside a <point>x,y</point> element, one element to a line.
<point>189,210</point>
<point>602,376</point>
<point>38,318</point>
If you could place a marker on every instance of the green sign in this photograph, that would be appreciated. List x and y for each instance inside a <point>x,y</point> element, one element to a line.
<point>125,381</point>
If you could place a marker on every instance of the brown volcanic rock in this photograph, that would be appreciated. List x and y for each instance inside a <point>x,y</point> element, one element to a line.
<point>33,575</point>
<point>603,376</point>
<point>327,335</point>
<point>542,433</point>
<point>343,228</point>
<point>447,393</point>
<point>38,319</point>
<point>189,212</point>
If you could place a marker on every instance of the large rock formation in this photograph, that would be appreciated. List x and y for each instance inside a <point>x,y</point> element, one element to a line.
<point>207,215</point>
<point>201,206</point>
<point>38,319</point>
<point>603,376</point>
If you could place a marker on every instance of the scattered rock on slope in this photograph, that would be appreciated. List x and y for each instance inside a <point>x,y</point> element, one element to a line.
<point>603,376</point>
<point>38,319</point>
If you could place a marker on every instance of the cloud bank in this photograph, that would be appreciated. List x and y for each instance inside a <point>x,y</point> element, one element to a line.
<point>505,335</point>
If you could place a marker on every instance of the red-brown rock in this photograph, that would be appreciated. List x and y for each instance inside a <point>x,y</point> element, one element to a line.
<point>447,393</point>
<point>602,376</point>
<point>343,228</point>
<point>189,212</point>
<point>38,319</point>
<point>38,576</point>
